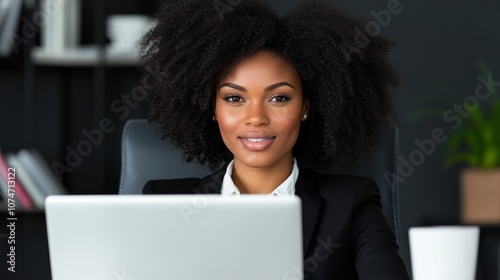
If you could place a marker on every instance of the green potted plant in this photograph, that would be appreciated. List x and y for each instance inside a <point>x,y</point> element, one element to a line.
<point>476,143</point>
<point>473,143</point>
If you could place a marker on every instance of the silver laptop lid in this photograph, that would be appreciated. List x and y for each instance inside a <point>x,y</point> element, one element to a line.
<point>188,237</point>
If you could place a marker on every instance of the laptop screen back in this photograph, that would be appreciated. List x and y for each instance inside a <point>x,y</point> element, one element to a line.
<point>188,237</point>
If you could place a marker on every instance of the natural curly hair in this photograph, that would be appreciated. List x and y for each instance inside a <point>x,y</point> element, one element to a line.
<point>194,44</point>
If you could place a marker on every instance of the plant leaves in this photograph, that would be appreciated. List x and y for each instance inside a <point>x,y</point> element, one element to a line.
<point>490,158</point>
<point>495,125</point>
<point>478,119</point>
<point>473,140</point>
<point>454,140</point>
<point>476,142</point>
<point>454,159</point>
<point>424,114</point>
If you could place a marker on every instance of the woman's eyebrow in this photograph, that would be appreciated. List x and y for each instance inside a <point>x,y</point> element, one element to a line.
<point>268,88</point>
<point>277,85</point>
<point>231,85</point>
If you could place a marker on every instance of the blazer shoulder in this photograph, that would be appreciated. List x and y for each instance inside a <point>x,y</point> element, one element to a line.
<point>345,180</point>
<point>333,185</point>
<point>171,186</point>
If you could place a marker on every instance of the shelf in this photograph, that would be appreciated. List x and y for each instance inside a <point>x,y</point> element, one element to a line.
<point>84,56</point>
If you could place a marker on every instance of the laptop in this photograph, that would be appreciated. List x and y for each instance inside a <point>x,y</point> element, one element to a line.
<point>178,237</point>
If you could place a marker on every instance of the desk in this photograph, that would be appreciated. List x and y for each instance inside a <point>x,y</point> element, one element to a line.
<point>488,265</point>
<point>32,253</point>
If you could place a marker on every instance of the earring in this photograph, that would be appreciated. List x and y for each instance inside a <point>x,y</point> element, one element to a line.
<point>305,117</point>
<point>214,118</point>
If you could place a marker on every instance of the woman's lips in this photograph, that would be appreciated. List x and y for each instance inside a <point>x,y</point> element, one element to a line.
<point>256,141</point>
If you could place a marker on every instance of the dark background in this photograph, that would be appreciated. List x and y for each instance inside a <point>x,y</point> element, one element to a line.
<point>438,42</point>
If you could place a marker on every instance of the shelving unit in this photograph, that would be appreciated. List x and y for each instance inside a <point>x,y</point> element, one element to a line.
<point>85,56</point>
<point>94,72</point>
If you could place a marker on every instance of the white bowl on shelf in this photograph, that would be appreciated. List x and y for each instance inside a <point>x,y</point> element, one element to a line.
<point>125,31</point>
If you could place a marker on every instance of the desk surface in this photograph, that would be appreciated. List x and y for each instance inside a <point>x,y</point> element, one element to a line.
<point>32,254</point>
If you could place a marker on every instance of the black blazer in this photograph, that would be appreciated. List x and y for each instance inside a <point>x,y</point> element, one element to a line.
<point>345,234</point>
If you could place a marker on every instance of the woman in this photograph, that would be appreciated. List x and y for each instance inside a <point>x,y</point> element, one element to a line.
<point>276,98</point>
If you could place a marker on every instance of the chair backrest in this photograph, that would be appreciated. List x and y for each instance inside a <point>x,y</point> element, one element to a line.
<point>146,157</point>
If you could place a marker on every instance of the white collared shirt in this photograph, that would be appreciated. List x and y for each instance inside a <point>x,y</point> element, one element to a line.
<point>286,188</point>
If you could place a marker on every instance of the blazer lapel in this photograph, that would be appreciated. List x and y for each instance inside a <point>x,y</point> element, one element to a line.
<point>311,203</point>
<point>212,183</point>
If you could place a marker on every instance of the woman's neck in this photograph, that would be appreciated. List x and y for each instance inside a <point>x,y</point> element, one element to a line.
<point>261,180</point>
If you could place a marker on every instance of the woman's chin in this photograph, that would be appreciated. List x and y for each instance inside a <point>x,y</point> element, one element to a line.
<point>258,161</point>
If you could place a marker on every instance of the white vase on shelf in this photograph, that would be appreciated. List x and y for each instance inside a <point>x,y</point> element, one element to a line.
<point>61,30</point>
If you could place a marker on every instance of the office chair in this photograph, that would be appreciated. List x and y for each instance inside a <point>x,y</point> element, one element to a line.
<point>146,157</point>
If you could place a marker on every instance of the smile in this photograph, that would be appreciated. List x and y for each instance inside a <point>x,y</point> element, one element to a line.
<point>258,139</point>
<point>257,144</point>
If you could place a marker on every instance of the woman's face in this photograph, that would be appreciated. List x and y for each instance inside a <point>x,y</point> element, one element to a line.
<point>259,107</point>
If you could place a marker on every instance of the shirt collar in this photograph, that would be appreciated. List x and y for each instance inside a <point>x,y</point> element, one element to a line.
<point>286,188</point>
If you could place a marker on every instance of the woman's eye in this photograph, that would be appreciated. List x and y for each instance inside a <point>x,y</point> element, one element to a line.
<point>233,98</point>
<point>280,98</point>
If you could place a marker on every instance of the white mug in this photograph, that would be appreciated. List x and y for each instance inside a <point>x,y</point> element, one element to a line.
<point>444,252</point>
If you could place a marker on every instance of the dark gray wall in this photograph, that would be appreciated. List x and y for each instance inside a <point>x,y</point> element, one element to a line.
<point>437,42</point>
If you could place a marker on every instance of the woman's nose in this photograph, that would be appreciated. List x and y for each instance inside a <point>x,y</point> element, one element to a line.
<point>257,115</point>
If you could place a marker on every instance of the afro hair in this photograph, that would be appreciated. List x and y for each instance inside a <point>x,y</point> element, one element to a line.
<point>194,44</point>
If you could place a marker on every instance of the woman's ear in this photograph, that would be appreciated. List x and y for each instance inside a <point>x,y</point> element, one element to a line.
<point>305,109</point>
<point>214,118</point>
